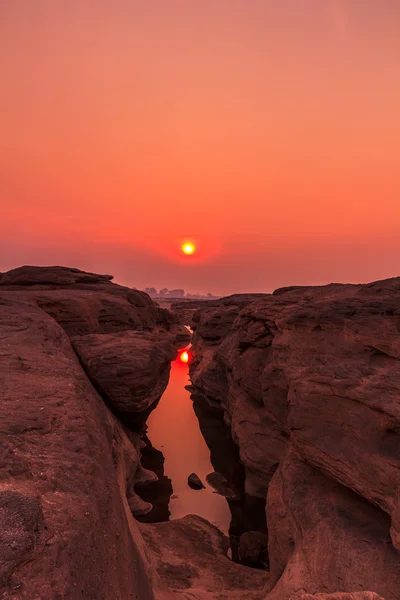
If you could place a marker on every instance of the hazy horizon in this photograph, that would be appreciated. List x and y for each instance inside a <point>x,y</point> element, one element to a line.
<point>267,132</point>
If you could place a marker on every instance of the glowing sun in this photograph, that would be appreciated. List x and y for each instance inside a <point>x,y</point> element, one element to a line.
<point>188,248</point>
<point>185,357</point>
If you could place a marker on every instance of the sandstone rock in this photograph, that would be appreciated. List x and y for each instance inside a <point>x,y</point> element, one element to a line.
<point>315,372</point>
<point>344,596</point>
<point>65,520</point>
<point>190,557</point>
<point>182,336</point>
<point>323,536</point>
<point>82,312</point>
<point>84,303</point>
<point>138,506</point>
<point>22,532</point>
<point>220,485</point>
<point>130,368</point>
<point>29,275</point>
<point>195,482</point>
<point>185,309</point>
<point>253,549</point>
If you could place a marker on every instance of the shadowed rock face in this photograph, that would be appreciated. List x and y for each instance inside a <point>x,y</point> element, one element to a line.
<point>309,381</point>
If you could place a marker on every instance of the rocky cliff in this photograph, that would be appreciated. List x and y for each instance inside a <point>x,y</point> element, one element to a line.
<point>309,382</point>
<point>82,362</point>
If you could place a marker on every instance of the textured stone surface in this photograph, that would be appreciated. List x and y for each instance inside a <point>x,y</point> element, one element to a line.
<point>314,374</point>
<point>84,303</point>
<point>190,557</point>
<point>130,368</point>
<point>31,275</point>
<point>325,538</point>
<point>68,467</point>
<point>308,381</point>
<point>344,596</point>
<point>65,523</point>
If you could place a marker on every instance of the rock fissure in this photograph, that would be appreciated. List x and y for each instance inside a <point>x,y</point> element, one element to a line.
<point>83,363</point>
<point>312,411</point>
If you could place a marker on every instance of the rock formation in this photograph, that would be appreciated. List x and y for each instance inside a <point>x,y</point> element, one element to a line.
<point>129,368</point>
<point>309,382</point>
<point>82,361</point>
<point>65,464</point>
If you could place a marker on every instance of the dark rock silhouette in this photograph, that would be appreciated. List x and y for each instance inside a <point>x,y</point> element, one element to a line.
<point>221,485</point>
<point>253,549</point>
<point>195,482</point>
<point>53,276</point>
<point>159,492</point>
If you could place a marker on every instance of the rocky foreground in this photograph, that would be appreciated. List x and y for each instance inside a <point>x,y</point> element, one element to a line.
<point>82,363</point>
<point>308,380</point>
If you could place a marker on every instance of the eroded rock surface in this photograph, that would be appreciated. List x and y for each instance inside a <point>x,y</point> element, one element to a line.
<point>190,558</point>
<point>309,381</point>
<point>68,466</point>
<point>77,355</point>
<point>129,368</point>
<point>54,276</point>
<point>345,596</point>
<point>64,524</point>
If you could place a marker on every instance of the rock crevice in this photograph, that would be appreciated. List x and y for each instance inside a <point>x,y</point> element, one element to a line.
<point>82,362</point>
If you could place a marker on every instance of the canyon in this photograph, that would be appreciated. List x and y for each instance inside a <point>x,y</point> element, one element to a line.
<point>297,397</point>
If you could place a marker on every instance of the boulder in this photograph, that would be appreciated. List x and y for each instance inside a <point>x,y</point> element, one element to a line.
<point>192,560</point>
<point>195,482</point>
<point>130,369</point>
<point>221,485</point>
<point>340,596</point>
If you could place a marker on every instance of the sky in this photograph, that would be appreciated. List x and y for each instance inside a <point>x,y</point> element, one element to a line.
<point>266,132</point>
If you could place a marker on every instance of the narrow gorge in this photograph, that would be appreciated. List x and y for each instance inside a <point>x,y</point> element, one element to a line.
<point>296,395</point>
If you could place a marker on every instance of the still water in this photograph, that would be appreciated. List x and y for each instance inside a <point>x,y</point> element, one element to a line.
<point>173,428</point>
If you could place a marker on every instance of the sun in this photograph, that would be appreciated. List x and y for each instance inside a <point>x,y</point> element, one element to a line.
<point>185,357</point>
<point>188,248</point>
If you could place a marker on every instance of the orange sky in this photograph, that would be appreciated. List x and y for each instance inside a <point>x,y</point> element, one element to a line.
<point>268,131</point>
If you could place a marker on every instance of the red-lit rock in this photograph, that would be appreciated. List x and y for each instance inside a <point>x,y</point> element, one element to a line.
<point>66,529</point>
<point>129,368</point>
<point>315,372</point>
